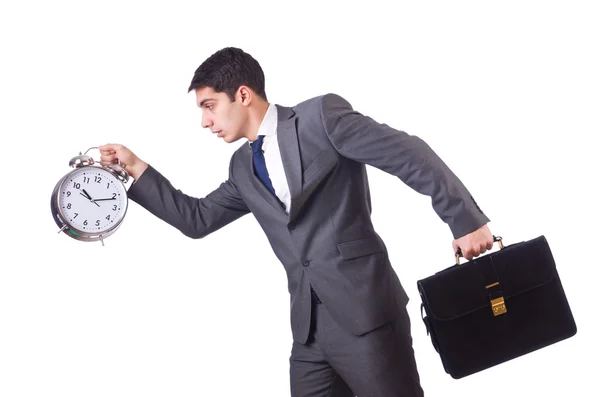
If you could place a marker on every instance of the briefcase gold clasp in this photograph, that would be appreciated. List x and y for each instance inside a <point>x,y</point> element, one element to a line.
<point>498,306</point>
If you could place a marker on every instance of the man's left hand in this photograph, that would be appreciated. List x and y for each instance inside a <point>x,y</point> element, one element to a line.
<point>475,243</point>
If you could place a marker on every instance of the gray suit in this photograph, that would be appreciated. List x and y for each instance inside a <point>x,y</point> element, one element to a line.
<point>327,241</point>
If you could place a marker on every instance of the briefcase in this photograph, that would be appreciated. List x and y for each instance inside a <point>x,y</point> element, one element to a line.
<point>496,307</point>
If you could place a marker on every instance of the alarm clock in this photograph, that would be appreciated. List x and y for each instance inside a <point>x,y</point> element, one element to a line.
<point>90,202</point>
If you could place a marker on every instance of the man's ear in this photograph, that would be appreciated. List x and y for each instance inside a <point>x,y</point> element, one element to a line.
<point>244,95</point>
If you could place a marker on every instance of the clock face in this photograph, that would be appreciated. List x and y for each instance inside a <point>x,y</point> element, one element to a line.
<point>92,200</point>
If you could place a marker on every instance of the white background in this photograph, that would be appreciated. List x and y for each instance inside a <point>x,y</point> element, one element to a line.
<point>506,94</point>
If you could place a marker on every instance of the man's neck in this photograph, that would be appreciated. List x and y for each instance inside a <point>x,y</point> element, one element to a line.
<point>256,118</point>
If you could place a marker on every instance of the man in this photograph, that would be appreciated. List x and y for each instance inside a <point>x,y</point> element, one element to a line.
<point>303,177</point>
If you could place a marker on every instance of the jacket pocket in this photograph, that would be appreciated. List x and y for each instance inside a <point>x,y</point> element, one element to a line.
<point>357,248</point>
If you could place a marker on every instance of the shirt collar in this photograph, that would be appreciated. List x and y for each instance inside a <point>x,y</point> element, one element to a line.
<point>268,126</point>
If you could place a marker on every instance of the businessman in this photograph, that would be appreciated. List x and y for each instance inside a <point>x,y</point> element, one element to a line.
<point>302,174</point>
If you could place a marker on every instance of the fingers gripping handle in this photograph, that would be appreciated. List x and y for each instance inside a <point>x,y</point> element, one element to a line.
<point>458,253</point>
<point>83,160</point>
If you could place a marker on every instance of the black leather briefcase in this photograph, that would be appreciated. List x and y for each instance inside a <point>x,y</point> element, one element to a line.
<point>496,307</point>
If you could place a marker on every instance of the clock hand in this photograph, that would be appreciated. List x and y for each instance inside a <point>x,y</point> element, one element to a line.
<point>104,199</point>
<point>87,195</point>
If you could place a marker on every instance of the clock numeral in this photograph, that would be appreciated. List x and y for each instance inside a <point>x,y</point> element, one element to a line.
<point>114,207</point>
<point>108,185</point>
<point>108,218</point>
<point>97,222</point>
<point>69,193</point>
<point>85,223</point>
<point>75,215</point>
<point>97,179</point>
<point>114,195</point>
<point>86,179</point>
<point>69,206</point>
<point>76,185</point>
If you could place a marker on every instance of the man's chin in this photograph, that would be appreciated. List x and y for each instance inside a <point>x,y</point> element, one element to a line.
<point>230,139</point>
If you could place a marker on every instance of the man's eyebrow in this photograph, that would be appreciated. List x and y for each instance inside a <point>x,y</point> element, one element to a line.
<point>204,101</point>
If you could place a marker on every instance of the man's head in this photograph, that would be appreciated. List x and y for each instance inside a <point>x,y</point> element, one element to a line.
<point>230,90</point>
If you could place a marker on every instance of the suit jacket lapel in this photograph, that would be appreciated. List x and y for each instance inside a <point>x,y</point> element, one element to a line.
<point>287,138</point>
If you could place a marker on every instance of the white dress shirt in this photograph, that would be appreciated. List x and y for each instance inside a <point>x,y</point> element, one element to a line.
<point>268,128</point>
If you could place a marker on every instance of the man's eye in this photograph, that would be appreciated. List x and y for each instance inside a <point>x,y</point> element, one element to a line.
<point>209,107</point>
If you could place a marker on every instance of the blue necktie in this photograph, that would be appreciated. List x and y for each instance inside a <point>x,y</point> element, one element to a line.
<point>259,163</point>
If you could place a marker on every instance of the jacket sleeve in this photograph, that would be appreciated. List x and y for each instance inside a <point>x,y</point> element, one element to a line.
<point>194,217</point>
<point>408,157</point>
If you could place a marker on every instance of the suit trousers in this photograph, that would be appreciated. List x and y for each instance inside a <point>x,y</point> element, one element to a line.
<point>336,363</point>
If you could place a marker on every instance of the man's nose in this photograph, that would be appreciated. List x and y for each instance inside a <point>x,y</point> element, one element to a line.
<point>206,121</point>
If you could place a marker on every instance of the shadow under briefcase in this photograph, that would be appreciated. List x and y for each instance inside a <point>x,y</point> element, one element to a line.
<point>496,307</point>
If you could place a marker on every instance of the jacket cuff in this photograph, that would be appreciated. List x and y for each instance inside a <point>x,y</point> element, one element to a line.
<point>467,221</point>
<point>141,186</point>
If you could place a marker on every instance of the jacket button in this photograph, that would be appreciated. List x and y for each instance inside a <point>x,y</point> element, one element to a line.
<point>305,263</point>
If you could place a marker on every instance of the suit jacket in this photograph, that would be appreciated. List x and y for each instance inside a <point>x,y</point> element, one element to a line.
<point>327,240</point>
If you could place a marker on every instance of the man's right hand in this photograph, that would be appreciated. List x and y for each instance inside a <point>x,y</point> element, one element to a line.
<point>113,153</point>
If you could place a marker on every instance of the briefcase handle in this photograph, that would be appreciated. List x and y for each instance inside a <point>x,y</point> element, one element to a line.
<point>497,239</point>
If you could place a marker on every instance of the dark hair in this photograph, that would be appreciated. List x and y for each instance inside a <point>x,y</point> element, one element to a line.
<point>226,70</point>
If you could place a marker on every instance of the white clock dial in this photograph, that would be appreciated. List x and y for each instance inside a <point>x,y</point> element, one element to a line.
<point>92,200</point>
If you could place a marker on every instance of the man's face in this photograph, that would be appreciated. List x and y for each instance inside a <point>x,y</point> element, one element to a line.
<point>222,116</point>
